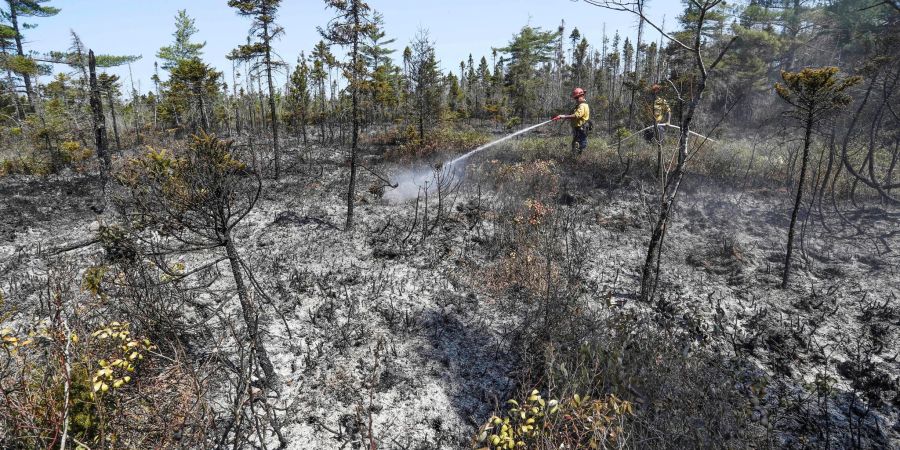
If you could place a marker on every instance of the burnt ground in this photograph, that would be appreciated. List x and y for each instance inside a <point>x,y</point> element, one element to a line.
<point>408,335</point>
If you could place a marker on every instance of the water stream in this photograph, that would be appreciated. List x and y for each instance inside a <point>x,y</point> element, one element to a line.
<point>410,183</point>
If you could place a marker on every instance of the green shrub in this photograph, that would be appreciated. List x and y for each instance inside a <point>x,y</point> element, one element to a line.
<point>74,154</point>
<point>447,139</point>
<point>25,165</point>
<point>41,365</point>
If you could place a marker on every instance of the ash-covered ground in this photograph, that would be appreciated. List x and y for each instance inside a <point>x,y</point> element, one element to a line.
<point>381,328</point>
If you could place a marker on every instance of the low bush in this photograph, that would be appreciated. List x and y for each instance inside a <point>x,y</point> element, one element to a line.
<point>445,139</point>
<point>73,376</point>
<point>32,162</point>
<point>25,165</point>
<point>538,179</point>
<point>75,155</point>
<point>682,396</point>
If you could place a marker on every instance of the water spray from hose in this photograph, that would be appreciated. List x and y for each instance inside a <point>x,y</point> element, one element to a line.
<point>408,185</point>
<point>491,144</point>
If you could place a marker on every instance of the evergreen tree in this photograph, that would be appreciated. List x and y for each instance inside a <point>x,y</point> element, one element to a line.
<point>574,37</point>
<point>813,94</point>
<point>455,97</point>
<point>109,84</point>
<point>471,91</point>
<point>424,80</point>
<point>527,50</point>
<point>579,63</point>
<point>484,84</point>
<point>189,92</point>
<point>321,59</point>
<point>349,29</point>
<point>377,57</point>
<point>18,9</point>
<point>7,45</point>
<point>264,28</point>
<point>627,56</point>
<point>299,97</point>
<point>182,48</point>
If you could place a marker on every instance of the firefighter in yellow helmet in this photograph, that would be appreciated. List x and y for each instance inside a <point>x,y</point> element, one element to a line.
<point>660,112</point>
<point>580,120</point>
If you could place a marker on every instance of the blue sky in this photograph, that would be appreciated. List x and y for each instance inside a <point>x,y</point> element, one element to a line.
<point>458,27</point>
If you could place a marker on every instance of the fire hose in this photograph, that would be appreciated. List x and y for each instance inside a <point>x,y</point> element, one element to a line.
<point>667,125</point>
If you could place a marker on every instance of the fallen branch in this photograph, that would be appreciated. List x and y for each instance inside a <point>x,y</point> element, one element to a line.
<point>386,182</point>
<point>75,246</point>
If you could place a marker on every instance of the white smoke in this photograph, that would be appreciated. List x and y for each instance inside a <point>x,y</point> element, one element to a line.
<point>409,185</point>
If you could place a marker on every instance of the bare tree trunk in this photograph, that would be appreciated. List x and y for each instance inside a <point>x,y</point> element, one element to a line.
<point>14,20</point>
<point>236,102</point>
<point>112,112</point>
<point>274,119</point>
<point>99,123</point>
<point>136,109</point>
<point>204,121</point>
<point>803,164</point>
<point>20,113</point>
<point>251,316</point>
<point>303,123</point>
<point>354,93</point>
<point>322,112</point>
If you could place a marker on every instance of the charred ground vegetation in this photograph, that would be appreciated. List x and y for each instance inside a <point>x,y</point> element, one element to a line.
<point>205,267</point>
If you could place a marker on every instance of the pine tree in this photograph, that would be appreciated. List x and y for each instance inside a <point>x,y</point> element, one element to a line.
<point>471,92</point>
<point>7,44</point>
<point>455,96</point>
<point>424,80</point>
<point>484,85</point>
<point>190,88</point>
<point>574,37</point>
<point>377,57</point>
<point>298,95</point>
<point>579,63</point>
<point>351,26</point>
<point>19,9</point>
<point>529,48</point>
<point>265,29</point>
<point>813,94</point>
<point>321,59</point>
<point>183,48</point>
<point>110,85</point>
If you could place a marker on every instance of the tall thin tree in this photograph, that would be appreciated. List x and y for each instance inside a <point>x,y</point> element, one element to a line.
<point>99,122</point>
<point>350,28</point>
<point>812,94</point>
<point>17,10</point>
<point>266,30</point>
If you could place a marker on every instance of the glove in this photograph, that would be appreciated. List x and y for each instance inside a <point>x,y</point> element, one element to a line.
<point>556,118</point>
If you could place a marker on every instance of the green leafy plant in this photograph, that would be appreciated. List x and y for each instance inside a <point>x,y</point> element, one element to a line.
<point>124,354</point>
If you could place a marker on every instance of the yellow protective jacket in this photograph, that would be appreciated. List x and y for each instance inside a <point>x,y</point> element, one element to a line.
<point>661,110</point>
<point>582,115</point>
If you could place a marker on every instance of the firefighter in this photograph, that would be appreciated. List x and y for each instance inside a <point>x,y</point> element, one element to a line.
<point>580,119</point>
<point>661,114</point>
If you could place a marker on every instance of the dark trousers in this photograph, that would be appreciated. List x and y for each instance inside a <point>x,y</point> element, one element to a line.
<point>650,134</point>
<point>579,139</point>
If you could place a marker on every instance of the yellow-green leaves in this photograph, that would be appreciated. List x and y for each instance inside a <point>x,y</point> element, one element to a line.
<point>126,351</point>
<point>576,422</point>
<point>814,91</point>
<point>93,279</point>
